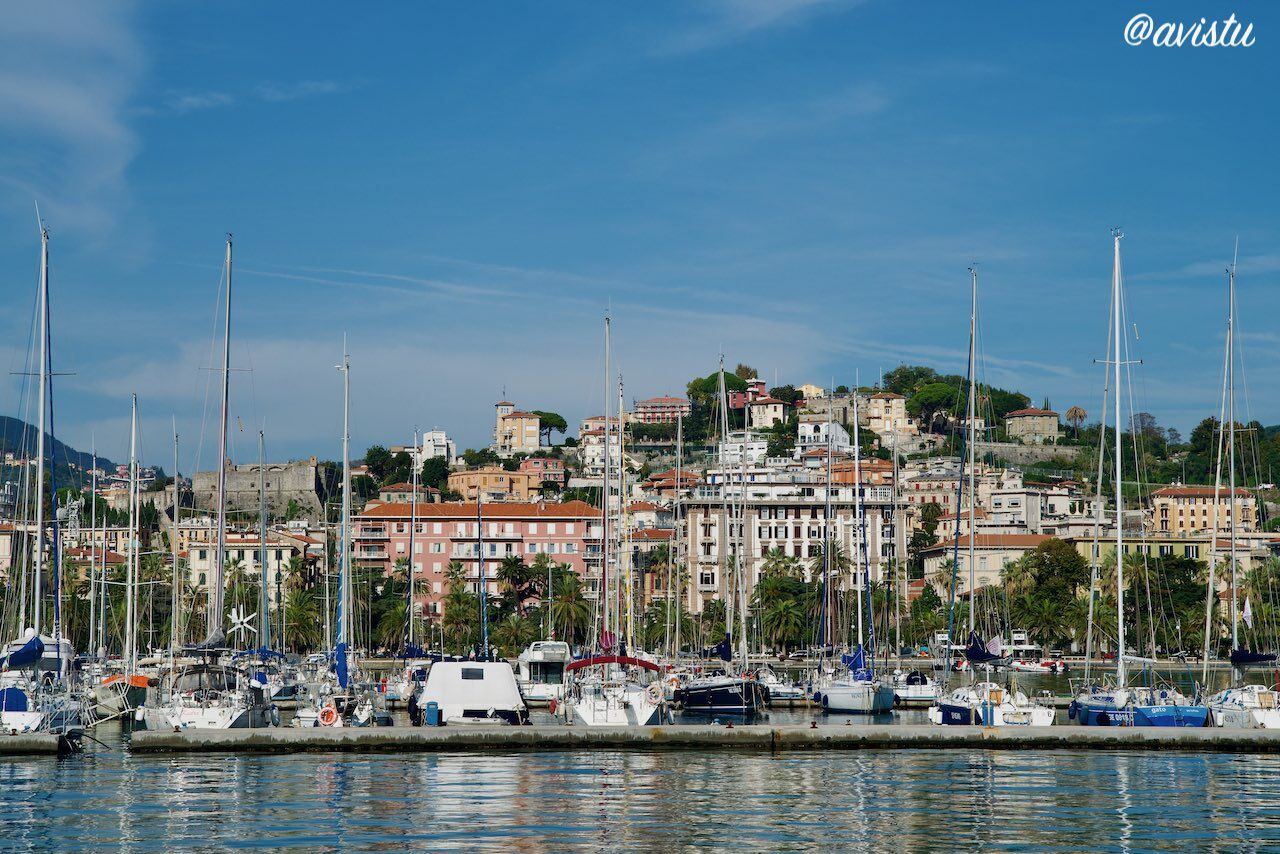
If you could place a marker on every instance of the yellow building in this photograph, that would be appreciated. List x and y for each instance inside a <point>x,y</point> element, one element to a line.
<point>515,432</point>
<point>496,484</point>
<point>1182,510</point>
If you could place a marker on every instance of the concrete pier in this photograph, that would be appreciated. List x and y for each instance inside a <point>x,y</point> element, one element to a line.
<point>484,738</point>
<point>28,744</point>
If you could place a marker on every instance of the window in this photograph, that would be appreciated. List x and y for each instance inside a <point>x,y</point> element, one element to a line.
<point>530,548</point>
<point>437,548</point>
<point>551,527</point>
<point>533,527</point>
<point>570,548</point>
<point>568,528</point>
<point>436,528</point>
<point>473,673</point>
<point>417,547</point>
<point>553,548</point>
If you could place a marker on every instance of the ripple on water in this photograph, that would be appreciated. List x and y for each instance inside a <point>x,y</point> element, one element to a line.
<point>1031,800</point>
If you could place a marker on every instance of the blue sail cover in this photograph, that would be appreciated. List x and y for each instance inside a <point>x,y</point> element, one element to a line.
<point>977,652</point>
<point>722,650</point>
<point>340,665</point>
<point>857,663</point>
<point>12,700</point>
<point>1246,658</point>
<point>29,653</point>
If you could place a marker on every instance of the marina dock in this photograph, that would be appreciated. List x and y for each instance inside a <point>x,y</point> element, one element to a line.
<point>799,737</point>
<point>29,744</point>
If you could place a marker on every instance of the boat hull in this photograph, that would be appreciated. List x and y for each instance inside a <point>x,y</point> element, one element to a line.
<point>856,698</point>
<point>744,697</point>
<point>1101,713</point>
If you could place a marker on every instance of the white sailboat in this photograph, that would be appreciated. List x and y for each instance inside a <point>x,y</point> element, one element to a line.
<point>606,689</point>
<point>1117,703</point>
<point>207,694</point>
<point>35,669</point>
<point>985,703</point>
<point>859,691</point>
<point>1242,705</point>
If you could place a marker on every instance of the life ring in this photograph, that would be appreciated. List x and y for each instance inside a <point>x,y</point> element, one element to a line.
<point>328,715</point>
<point>655,692</point>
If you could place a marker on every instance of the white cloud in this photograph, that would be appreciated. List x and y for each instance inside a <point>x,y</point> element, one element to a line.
<point>272,93</point>
<point>67,74</point>
<point>722,21</point>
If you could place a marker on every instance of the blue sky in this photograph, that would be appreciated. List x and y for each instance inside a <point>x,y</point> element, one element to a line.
<point>463,189</point>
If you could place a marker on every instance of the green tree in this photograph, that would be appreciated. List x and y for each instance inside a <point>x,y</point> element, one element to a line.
<point>435,473</point>
<point>549,422</point>
<point>378,459</point>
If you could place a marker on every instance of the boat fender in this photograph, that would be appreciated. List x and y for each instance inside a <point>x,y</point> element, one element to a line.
<point>275,715</point>
<point>1071,711</point>
<point>655,693</point>
<point>328,715</point>
<point>552,706</point>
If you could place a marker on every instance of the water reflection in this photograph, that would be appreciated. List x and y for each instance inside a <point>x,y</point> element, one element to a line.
<point>906,799</point>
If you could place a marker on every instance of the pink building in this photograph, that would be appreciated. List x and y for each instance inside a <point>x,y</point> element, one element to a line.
<point>547,469</point>
<point>755,390</point>
<point>568,533</point>
<point>661,410</point>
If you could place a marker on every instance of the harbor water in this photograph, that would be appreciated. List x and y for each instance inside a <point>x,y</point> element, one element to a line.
<point>625,800</point>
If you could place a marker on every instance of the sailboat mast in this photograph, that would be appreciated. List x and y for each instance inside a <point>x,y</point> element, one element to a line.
<point>217,593</point>
<point>131,579</point>
<point>1116,332</point>
<point>1231,448</point>
<point>37,606</point>
<point>824,614</point>
<point>971,412</point>
<point>624,532</point>
<point>604,503</point>
<point>264,603</point>
<point>859,578</point>
<point>482,572</point>
<point>343,639</point>
<point>413,526</point>
<point>680,538</point>
<point>175,631</point>
<point>93,549</point>
<point>724,493</point>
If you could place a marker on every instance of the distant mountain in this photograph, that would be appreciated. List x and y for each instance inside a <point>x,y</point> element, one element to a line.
<point>19,438</point>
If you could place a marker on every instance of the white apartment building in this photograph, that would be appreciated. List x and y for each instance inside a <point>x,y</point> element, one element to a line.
<point>812,435</point>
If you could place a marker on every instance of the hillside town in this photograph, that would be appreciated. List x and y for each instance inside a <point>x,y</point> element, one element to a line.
<point>877,470</point>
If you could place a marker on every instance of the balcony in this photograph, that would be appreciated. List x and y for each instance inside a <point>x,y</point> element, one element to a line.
<point>371,554</point>
<point>372,534</point>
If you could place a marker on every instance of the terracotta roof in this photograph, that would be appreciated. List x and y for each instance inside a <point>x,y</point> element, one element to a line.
<point>888,395</point>
<point>107,556</point>
<point>995,541</point>
<point>467,510</point>
<point>1197,492</point>
<point>642,507</point>
<point>519,414</point>
<point>653,534</point>
<point>659,400</point>
<point>1017,413</point>
<point>981,514</point>
<point>766,400</point>
<point>504,403</point>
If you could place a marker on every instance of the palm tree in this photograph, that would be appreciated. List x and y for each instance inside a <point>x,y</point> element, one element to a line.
<point>1016,576</point>
<point>513,633</point>
<point>303,620</point>
<point>1076,417</point>
<point>784,622</point>
<point>778,563</point>
<point>570,610</point>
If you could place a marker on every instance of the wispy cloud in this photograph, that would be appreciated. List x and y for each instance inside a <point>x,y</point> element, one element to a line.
<point>719,22</point>
<point>67,74</point>
<point>269,92</point>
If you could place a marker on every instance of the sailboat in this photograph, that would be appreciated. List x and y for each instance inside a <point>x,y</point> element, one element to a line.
<point>1243,704</point>
<point>205,693</point>
<point>126,689</point>
<point>1119,703</point>
<point>731,691</point>
<point>606,687</point>
<point>987,703</point>
<point>35,669</point>
<point>859,691</point>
